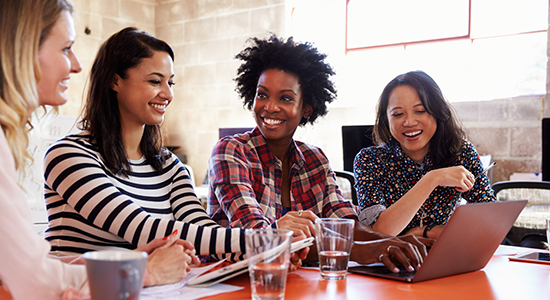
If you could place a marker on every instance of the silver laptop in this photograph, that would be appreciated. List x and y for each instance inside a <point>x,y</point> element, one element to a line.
<point>466,244</point>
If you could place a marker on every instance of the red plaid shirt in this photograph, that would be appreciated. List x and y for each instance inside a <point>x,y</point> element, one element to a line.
<point>245,183</point>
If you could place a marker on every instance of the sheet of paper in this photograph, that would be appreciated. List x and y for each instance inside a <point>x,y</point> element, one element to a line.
<point>181,291</point>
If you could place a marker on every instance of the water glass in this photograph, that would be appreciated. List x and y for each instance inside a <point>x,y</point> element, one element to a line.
<point>548,231</point>
<point>334,240</point>
<point>268,252</point>
<point>115,274</point>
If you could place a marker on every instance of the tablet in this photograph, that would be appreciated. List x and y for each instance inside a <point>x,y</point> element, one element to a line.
<point>536,257</point>
<point>238,268</point>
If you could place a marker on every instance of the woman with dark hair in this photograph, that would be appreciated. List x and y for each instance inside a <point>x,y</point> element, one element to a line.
<point>36,51</point>
<point>422,167</point>
<point>113,184</point>
<point>266,178</point>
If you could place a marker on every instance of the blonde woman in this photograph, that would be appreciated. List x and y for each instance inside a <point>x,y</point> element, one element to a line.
<point>36,61</point>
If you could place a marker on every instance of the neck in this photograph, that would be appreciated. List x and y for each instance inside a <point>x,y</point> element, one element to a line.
<point>131,137</point>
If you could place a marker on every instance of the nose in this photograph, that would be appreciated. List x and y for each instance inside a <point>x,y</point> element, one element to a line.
<point>410,120</point>
<point>166,92</point>
<point>271,105</point>
<point>76,67</point>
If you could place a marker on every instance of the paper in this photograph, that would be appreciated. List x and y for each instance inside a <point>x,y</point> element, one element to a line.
<point>180,290</point>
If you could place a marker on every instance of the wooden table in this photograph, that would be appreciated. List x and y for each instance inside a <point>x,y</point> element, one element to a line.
<point>500,279</point>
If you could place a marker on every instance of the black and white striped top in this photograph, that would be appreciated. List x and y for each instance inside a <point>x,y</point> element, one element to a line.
<point>89,208</point>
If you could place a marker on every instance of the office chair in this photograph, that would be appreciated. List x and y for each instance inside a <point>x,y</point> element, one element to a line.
<point>529,230</point>
<point>347,185</point>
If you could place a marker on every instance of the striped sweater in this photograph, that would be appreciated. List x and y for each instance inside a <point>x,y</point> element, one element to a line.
<point>89,208</point>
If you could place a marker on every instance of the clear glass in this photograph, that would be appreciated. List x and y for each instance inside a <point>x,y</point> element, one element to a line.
<point>334,240</point>
<point>268,252</point>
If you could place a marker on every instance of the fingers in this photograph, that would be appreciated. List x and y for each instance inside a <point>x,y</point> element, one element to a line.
<point>421,243</point>
<point>299,222</point>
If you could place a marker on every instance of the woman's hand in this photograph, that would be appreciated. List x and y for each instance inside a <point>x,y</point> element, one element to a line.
<point>296,258</point>
<point>389,251</point>
<point>456,176</point>
<point>300,222</point>
<point>169,260</point>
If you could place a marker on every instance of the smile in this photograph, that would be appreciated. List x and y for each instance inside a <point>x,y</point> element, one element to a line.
<point>272,121</point>
<point>158,106</point>
<point>412,134</point>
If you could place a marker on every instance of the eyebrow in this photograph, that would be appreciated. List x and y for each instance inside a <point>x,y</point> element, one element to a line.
<point>161,75</point>
<point>281,91</point>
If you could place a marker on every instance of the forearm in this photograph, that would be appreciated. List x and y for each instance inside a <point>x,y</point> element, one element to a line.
<point>396,217</point>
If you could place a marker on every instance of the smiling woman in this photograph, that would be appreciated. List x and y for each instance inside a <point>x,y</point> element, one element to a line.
<point>114,184</point>
<point>264,177</point>
<point>422,167</point>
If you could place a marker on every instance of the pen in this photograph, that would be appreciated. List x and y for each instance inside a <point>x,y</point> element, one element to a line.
<point>485,170</point>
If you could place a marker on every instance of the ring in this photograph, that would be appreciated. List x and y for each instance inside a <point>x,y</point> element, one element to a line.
<point>471,176</point>
<point>388,249</point>
<point>380,257</point>
<point>300,213</point>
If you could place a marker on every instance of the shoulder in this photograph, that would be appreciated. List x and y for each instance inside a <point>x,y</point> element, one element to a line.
<point>311,153</point>
<point>78,142</point>
<point>468,149</point>
<point>373,153</point>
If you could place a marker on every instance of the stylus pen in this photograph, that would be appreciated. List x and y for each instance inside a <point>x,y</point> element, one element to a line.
<point>485,170</point>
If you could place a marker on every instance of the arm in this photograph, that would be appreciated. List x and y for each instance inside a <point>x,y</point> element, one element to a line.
<point>481,191</point>
<point>230,179</point>
<point>397,216</point>
<point>24,263</point>
<point>74,171</point>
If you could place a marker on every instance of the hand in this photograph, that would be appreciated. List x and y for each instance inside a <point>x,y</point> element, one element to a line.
<point>300,222</point>
<point>388,251</point>
<point>296,258</point>
<point>170,261</point>
<point>456,176</point>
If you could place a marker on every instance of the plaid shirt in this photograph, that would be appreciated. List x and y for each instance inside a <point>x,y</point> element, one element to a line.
<point>245,183</point>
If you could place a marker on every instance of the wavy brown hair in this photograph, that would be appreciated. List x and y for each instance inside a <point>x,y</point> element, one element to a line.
<point>446,143</point>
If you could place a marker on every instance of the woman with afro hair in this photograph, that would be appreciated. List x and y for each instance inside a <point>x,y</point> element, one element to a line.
<point>265,178</point>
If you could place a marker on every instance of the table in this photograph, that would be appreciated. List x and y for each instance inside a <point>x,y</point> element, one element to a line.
<point>500,279</point>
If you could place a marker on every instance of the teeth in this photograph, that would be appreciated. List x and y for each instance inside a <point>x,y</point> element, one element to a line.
<point>158,106</point>
<point>273,122</point>
<point>413,133</point>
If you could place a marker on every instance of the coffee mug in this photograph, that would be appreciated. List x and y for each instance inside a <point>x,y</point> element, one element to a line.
<point>115,274</point>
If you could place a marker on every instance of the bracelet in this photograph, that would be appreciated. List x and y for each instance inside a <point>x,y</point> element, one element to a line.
<point>429,227</point>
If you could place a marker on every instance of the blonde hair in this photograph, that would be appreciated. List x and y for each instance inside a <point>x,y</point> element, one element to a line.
<point>24,25</point>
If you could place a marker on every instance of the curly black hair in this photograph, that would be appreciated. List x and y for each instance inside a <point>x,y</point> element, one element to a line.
<point>300,59</point>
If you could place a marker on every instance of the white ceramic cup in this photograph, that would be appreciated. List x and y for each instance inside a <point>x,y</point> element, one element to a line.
<point>115,274</point>
<point>268,253</point>
<point>334,240</point>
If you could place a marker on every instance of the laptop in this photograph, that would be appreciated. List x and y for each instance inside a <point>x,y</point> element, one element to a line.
<point>467,243</point>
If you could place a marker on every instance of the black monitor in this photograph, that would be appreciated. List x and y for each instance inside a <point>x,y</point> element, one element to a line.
<point>355,138</point>
<point>546,149</point>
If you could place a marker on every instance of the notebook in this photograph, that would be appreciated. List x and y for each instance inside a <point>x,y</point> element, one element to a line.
<point>241,267</point>
<point>467,243</point>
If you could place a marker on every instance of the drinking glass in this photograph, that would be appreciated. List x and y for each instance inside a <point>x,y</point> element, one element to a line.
<point>268,252</point>
<point>334,240</point>
<point>548,231</point>
<point>115,274</point>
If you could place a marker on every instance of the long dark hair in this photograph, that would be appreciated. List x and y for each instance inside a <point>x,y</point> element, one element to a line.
<point>446,143</point>
<point>122,51</point>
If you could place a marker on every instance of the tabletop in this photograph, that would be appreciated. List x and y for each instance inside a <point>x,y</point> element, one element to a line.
<point>501,279</point>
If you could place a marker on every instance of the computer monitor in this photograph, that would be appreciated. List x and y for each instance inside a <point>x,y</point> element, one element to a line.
<point>355,138</point>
